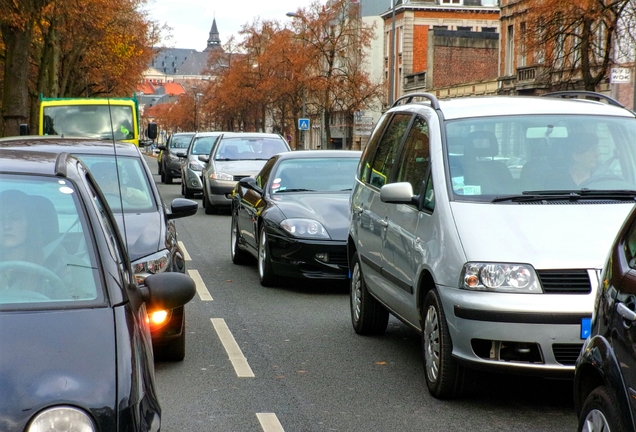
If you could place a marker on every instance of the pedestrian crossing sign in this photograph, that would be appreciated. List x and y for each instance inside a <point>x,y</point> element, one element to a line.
<point>303,124</point>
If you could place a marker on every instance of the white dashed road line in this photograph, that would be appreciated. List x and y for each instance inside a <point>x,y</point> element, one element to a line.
<point>269,422</point>
<point>235,354</point>
<point>186,255</point>
<point>202,290</point>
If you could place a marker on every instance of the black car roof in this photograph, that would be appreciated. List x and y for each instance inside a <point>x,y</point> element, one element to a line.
<point>19,161</point>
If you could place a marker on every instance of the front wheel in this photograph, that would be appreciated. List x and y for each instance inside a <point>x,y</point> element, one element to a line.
<point>368,316</point>
<point>446,379</point>
<point>600,413</point>
<point>265,272</point>
<point>239,256</point>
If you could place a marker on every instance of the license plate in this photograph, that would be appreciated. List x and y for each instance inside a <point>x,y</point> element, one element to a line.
<point>586,327</point>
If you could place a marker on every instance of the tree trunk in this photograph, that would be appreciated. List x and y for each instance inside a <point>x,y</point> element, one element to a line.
<point>15,100</point>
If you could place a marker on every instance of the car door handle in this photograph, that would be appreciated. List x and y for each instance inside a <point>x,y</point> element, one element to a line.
<point>383,222</point>
<point>626,312</point>
<point>357,210</point>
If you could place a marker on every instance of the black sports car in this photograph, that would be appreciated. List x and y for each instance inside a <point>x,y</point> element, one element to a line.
<point>75,343</point>
<point>293,217</point>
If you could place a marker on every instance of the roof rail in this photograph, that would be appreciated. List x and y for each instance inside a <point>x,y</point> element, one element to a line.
<point>409,98</point>
<point>586,94</point>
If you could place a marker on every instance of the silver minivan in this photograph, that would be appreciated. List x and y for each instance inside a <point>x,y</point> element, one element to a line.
<point>483,223</point>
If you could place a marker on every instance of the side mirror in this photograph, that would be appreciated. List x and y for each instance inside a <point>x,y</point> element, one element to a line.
<point>162,147</point>
<point>152,130</point>
<point>168,290</point>
<point>204,158</point>
<point>397,193</point>
<point>182,154</point>
<point>182,207</point>
<point>24,129</point>
<point>250,183</point>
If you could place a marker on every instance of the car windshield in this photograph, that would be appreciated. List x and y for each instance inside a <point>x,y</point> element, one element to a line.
<point>180,141</point>
<point>46,246</point>
<point>92,121</point>
<point>249,148</point>
<point>203,145</point>
<point>493,158</point>
<point>314,175</point>
<point>132,187</point>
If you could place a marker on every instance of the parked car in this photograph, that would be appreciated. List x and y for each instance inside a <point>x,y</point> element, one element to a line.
<point>149,229</point>
<point>201,145</point>
<point>496,268</point>
<point>76,351</point>
<point>237,155</point>
<point>293,217</point>
<point>604,379</point>
<point>168,162</point>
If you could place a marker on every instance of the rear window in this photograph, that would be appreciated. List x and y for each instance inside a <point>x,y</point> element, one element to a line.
<point>249,148</point>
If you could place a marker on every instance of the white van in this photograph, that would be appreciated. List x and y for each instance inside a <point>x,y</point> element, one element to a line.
<point>483,224</point>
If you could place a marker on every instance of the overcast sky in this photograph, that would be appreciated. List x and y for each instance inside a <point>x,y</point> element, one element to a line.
<point>191,20</point>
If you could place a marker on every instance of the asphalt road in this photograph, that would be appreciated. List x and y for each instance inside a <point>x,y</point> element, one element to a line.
<point>287,359</point>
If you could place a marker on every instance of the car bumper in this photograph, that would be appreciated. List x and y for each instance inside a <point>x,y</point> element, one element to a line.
<point>519,333</point>
<point>220,192</point>
<point>298,258</point>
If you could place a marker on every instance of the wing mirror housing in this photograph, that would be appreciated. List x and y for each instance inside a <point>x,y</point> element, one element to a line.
<point>250,183</point>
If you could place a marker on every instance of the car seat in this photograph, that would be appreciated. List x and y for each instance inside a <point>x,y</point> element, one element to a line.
<point>479,166</point>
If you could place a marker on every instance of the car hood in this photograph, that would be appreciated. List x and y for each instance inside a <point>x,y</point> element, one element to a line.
<point>48,359</point>
<point>240,167</point>
<point>144,233</point>
<point>330,209</point>
<point>548,236</point>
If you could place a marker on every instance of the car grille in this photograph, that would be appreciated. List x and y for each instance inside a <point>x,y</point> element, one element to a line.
<point>566,354</point>
<point>565,281</point>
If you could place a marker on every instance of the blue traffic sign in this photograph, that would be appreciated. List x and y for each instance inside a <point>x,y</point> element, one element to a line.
<point>303,124</point>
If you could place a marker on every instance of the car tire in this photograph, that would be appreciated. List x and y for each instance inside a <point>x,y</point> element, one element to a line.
<point>209,208</point>
<point>167,178</point>
<point>265,272</point>
<point>368,316</point>
<point>239,256</point>
<point>159,170</point>
<point>446,379</point>
<point>185,191</point>
<point>600,412</point>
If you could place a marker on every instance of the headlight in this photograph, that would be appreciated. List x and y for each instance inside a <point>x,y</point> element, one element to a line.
<point>305,228</point>
<point>195,165</point>
<point>500,277</point>
<point>62,418</point>
<point>220,176</point>
<point>155,263</point>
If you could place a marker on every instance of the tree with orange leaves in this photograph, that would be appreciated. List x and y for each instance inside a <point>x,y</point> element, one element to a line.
<point>574,41</point>
<point>72,48</point>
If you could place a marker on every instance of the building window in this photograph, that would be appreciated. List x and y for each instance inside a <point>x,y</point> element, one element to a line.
<point>464,28</point>
<point>455,2</point>
<point>510,50</point>
<point>522,45</point>
<point>489,29</point>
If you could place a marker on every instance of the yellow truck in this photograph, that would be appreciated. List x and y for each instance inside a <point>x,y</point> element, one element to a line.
<point>99,118</point>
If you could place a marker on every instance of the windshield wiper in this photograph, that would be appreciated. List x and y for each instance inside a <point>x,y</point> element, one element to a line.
<point>295,190</point>
<point>528,196</point>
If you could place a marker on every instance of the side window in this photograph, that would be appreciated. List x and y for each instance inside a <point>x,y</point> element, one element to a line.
<point>429,195</point>
<point>415,158</point>
<point>387,150</point>
<point>364,168</point>
<point>263,176</point>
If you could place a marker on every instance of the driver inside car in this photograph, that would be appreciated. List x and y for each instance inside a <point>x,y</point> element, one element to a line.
<point>30,258</point>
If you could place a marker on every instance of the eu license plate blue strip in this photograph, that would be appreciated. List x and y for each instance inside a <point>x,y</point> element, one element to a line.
<point>586,327</point>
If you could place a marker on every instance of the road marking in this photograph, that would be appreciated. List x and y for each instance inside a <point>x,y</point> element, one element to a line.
<point>186,255</point>
<point>202,290</point>
<point>235,354</point>
<point>269,422</point>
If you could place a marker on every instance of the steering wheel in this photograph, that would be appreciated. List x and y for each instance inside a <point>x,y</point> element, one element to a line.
<point>57,286</point>
<point>607,181</point>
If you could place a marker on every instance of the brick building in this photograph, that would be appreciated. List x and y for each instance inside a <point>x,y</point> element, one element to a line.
<point>423,51</point>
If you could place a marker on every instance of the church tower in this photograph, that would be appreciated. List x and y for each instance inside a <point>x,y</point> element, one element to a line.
<point>214,41</point>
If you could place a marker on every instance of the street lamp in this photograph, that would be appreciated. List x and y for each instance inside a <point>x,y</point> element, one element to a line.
<point>302,132</point>
<point>196,100</point>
